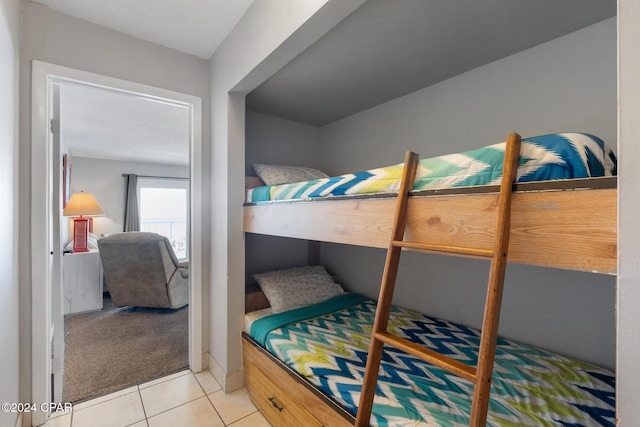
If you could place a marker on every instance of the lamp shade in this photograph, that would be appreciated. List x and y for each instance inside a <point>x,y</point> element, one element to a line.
<point>82,204</point>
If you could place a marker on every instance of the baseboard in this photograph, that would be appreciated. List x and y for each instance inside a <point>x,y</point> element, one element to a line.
<point>215,369</point>
<point>229,382</point>
<point>235,381</point>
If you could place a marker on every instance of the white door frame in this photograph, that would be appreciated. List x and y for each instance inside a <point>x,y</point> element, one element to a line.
<point>43,75</point>
<point>55,221</point>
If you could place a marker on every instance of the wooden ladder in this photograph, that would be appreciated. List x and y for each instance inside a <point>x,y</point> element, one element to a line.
<point>480,376</point>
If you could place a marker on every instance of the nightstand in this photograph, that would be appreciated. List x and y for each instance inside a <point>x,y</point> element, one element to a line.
<point>82,281</point>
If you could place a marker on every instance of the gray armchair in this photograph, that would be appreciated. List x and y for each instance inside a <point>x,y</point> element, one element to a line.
<point>141,270</point>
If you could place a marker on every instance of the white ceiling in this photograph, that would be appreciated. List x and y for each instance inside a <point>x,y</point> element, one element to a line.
<point>105,124</point>
<point>196,27</point>
<point>111,125</point>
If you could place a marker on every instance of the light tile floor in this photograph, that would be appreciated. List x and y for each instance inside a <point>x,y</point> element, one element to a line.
<point>182,399</point>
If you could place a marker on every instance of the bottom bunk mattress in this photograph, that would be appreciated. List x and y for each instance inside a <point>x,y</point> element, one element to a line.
<point>327,343</point>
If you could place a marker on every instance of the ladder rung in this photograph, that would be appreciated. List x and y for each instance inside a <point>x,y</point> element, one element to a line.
<point>447,363</point>
<point>485,253</point>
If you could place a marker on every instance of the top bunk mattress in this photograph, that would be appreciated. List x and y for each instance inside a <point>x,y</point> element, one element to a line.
<point>559,156</point>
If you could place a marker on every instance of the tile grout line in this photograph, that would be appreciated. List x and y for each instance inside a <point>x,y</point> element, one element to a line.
<point>102,397</point>
<point>146,418</point>
<point>223,421</point>
<point>214,407</point>
<point>165,378</point>
<point>139,389</point>
<point>208,399</point>
<point>144,411</point>
<point>240,419</point>
<point>182,404</point>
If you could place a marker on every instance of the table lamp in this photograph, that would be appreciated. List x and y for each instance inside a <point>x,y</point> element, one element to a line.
<point>81,204</point>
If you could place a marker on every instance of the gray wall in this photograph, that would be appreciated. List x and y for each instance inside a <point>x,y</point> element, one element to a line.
<point>568,84</point>
<point>9,333</point>
<point>273,140</point>
<point>56,38</point>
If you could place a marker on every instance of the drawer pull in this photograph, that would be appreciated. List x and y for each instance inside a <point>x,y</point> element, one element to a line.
<point>275,404</point>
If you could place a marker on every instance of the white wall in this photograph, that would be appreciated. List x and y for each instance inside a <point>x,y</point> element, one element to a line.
<point>568,84</point>
<point>56,38</point>
<point>9,333</point>
<point>103,178</point>
<point>628,298</point>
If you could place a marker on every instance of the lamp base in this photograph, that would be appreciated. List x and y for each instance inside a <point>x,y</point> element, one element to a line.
<point>80,231</point>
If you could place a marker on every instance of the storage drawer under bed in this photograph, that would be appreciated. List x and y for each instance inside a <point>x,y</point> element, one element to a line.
<point>283,398</point>
<point>276,404</point>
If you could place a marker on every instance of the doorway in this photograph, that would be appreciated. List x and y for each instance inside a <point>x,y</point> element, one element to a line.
<point>47,321</point>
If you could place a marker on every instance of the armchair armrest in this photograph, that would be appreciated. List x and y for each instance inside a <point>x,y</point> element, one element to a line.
<point>184,269</point>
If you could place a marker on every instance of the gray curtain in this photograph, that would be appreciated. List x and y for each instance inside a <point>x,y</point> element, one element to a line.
<point>131,210</point>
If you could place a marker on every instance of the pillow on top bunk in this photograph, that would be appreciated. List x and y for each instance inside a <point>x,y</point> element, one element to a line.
<point>281,174</point>
<point>297,287</point>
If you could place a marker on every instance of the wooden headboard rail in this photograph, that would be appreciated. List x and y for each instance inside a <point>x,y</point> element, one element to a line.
<point>254,298</point>
<point>252,182</point>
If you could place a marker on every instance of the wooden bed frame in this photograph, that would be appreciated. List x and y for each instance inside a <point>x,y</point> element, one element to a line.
<point>563,224</point>
<point>283,396</point>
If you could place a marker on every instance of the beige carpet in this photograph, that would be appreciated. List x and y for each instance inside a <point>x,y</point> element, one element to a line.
<point>116,348</point>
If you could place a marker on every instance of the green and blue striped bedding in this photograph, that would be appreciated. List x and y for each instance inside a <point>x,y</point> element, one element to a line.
<point>542,158</point>
<point>531,387</point>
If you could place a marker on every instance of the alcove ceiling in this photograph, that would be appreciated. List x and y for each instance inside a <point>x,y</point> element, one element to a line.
<point>386,49</point>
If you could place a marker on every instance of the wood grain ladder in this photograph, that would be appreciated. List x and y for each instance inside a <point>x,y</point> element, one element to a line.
<point>480,376</point>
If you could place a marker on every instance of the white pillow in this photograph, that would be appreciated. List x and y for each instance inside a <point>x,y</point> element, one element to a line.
<point>297,287</point>
<point>280,174</point>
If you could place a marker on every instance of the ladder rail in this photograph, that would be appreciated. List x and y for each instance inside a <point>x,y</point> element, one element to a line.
<point>453,250</point>
<point>489,331</point>
<point>386,291</point>
<point>480,375</point>
<point>449,364</point>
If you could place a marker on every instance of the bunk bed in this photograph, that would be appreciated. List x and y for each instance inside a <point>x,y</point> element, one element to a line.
<point>567,224</point>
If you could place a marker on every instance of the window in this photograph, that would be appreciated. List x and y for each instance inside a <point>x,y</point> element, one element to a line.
<point>164,210</point>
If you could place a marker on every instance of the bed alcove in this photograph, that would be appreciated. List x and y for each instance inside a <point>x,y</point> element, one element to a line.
<point>551,85</point>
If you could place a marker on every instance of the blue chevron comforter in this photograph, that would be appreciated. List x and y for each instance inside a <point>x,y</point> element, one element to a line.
<point>542,158</point>
<point>531,387</point>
